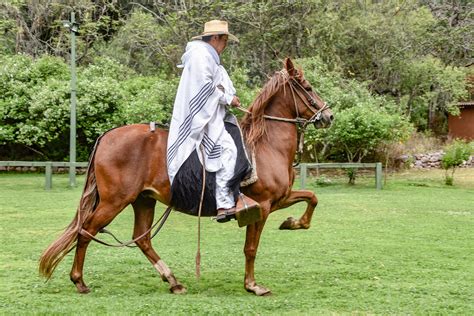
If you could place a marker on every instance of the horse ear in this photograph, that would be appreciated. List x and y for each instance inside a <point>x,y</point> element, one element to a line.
<point>290,67</point>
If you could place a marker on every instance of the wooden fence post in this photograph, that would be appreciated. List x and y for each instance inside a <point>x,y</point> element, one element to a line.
<point>48,175</point>
<point>378,175</point>
<point>302,176</point>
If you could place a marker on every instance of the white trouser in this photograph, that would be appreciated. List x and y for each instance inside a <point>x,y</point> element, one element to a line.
<point>224,197</point>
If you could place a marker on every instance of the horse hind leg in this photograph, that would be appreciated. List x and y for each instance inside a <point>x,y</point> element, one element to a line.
<point>101,217</point>
<point>144,208</point>
<point>304,222</point>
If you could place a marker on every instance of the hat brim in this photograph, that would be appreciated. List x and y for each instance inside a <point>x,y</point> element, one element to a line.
<point>231,36</point>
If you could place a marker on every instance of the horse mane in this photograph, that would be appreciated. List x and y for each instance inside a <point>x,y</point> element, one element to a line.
<point>253,124</point>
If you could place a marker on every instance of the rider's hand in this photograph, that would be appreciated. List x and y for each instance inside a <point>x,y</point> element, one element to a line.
<point>235,101</point>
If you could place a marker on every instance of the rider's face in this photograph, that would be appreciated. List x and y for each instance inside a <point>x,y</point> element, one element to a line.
<point>219,43</point>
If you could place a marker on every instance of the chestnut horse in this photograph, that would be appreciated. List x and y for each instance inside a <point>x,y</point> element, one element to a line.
<point>128,166</point>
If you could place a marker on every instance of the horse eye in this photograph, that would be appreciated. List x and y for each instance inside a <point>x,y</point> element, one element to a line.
<point>308,89</point>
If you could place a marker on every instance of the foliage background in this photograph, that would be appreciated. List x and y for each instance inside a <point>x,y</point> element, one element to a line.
<point>375,62</point>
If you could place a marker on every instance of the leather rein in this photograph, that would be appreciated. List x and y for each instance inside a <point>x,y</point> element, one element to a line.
<point>300,122</point>
<point>129,243</point>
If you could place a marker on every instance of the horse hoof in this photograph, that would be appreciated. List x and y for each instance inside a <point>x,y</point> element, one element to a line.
<point>259,290</point>
<point>289,223</point>
<point>178,289</point>
<point>82,289</point>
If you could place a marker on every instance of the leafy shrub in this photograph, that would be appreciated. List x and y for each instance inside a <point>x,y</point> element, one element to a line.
<point>148,99</point>
<point>35,104</point>
<point>455,154</point>
<point>105,67</point>
<point>323,181</point>
<point>21,82</point>
<point>358,131</point>
<point>351,174</point>
<point>246,91</point>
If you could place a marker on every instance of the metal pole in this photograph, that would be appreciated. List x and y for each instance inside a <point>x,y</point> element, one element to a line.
<point>72,133</point>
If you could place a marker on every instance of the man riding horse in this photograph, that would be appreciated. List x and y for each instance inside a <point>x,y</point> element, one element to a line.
<point>197,125</point>
<point>129,164</point>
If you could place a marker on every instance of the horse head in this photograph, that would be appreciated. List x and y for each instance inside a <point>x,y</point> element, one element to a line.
<point>309,107</point>
<point>286,97</point>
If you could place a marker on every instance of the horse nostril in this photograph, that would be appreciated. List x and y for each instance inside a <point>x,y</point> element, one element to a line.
<point>331,117</point>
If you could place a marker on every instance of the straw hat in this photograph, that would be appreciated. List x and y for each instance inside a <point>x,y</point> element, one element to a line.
<point>216,27</point>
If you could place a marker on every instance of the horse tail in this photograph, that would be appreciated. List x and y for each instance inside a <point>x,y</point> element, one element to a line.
<point>56,251</point>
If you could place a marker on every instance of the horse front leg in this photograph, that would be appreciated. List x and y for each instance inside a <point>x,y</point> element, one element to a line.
<point>305,221</point>
<point>254,232</point>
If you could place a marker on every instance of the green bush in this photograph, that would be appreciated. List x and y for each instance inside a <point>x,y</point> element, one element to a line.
<point>22,80</point>
<point>35,104</point>
<point>455,154</point>
<point>148,99</point>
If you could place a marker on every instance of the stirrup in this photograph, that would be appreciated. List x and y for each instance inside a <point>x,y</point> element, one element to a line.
<point>248,212</point>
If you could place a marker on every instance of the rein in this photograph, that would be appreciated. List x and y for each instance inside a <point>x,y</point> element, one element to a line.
<point>300,122</point>
<point>160,221</point>
<point>203,188</point>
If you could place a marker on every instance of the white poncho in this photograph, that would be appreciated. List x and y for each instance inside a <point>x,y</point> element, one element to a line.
<point>199,108</point>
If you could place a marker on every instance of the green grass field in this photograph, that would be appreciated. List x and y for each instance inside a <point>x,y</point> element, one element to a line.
<point>408,249</point>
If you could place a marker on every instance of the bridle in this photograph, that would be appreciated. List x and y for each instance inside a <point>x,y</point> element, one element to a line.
<point>301,123</point>
<point>310,103</point>
<point>308,100</point>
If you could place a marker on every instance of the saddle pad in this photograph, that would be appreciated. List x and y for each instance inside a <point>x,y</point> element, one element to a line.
<point>252,177</point>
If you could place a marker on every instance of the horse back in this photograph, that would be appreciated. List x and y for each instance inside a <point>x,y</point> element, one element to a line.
<point>132,159</point>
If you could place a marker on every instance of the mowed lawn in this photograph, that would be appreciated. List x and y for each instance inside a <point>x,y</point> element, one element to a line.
<point>408,249</point>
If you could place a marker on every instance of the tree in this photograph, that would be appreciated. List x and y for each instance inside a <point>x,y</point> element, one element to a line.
<point>429,89</point>
<point>390,46</point>
<point>402,58</point>
<point>453,34</point>
<point>36,27</point>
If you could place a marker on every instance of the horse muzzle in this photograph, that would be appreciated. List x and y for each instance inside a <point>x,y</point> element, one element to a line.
<point>323,119</point>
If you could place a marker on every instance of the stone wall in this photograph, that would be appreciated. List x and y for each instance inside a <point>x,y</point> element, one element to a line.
<point>430,160</point>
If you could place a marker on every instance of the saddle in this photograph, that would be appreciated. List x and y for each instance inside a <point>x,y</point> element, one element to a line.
<point>186,197</point>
